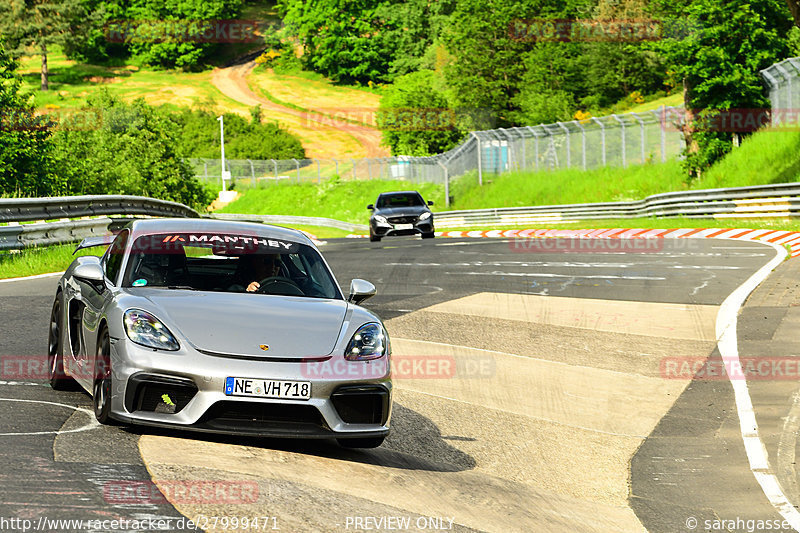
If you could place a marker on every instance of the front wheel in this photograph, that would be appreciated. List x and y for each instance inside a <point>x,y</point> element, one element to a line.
<point>430,235</point>
<point>374,238</point>
<point>101,391</point>
<point>367,442</point>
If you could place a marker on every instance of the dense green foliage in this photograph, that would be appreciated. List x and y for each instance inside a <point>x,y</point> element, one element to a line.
<point>415,117</point>
<point>130,149</point>
<point>24,138</point>
<point>39,24</point>
<point>497,56</point>
<point>113,147</point>
<point>445,67</point>
<point>368,40</point>
<point>199,137</point>
<point>338,199</point>
<point>169,33</point>
<point>720,66</point>
<point>766,157</point>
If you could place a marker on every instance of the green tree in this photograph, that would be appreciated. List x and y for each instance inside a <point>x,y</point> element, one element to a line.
<point>346,41</point>
<point>719,63</point>
<point>90,42</point>
<point>414,27</point>
<point>494,59</point>
<point>155,32</point>
<point>24,148</point>
<point>414,117</point>
<point>130,149</point>
<point>199,137</point>
<point>39,24</point>
<point>553,80</point>
<point>794,7</point>
<point>153,15</point>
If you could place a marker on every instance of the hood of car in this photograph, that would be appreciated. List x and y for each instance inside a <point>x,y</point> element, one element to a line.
<point>401,211</point>
<point>253,325</point>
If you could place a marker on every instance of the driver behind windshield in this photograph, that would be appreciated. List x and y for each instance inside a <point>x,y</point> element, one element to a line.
<point>255,268</point>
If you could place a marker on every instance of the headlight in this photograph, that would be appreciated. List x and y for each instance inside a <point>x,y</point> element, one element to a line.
<point>145,329</point>
<point>425,216</point>
<point>369,342</point>
<point>381,219</point>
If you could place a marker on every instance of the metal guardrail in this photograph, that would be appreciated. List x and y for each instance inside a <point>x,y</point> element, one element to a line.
<point>737,202</point>
<point>15,236</point>
<point>288,219</point>
<point>27,209</point>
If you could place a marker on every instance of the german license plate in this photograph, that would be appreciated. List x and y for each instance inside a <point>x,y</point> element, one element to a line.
<point>268,388</point>
<point>404,226</point>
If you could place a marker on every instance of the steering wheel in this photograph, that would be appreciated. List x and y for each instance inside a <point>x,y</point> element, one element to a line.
<point>284,286</point>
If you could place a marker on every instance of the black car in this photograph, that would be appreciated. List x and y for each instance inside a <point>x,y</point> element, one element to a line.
<point>400,213</point>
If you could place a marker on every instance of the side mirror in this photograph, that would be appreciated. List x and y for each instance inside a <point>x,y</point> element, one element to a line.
<point>430,202</point>
<point>360,290</point>
<point>370,207</point>
<point>90,271</point>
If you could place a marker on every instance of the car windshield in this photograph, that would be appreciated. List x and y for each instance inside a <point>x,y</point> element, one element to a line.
<point>228,263</point>
<point>400,200</point>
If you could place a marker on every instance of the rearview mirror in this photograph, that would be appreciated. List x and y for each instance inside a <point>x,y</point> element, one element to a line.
<point>360,290</point>
<point>370,207</point>
<point>430,202</point>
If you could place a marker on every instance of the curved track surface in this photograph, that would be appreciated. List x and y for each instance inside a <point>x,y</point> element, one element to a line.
<point>530,396</point>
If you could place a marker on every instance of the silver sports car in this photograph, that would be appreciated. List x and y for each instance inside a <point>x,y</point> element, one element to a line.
<point>224,327</point>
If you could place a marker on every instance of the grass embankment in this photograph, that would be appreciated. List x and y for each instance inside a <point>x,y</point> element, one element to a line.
<point>341,200</point>
<point>312,93</point>
<point>782,224</point>
<point>72,82</point>
<point>567,186</point>
<point>766,157</point>
<point>32,261</point>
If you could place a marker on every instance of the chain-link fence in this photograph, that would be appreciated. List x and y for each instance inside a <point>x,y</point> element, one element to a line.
<point>615,140</point>
<point>259,172</point>
<point>783,80</point>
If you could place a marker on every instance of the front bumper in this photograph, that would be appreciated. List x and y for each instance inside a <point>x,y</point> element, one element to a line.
<point>381,229</point>
<point>348,404</point>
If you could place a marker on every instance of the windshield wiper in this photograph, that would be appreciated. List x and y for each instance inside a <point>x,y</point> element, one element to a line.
<point>182,287</point>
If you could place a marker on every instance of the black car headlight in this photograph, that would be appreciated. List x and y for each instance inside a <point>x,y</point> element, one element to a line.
<point>369,342</point>
<point>380,219</point>
<point>425,216</point>
<point>145,329</point>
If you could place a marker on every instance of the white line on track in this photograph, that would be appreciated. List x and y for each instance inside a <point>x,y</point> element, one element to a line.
<point>92,424</point>
<point>37,276</point>
<point>729,350</point>
<point>541,275</point>
<point>28,383</point>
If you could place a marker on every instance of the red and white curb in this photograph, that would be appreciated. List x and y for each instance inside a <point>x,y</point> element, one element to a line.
<point>314,238</point>
<point>780,237</point>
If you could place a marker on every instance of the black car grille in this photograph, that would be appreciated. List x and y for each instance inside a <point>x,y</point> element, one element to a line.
<point>263,417</point>
<point>361,404</point>
<point>160,394</point>
<point>402,220</point>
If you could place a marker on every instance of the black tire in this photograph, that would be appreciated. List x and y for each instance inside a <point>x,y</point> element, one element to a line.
<point>366,442</point>
<point>55,350</point>
<point>374,238</point>
<point>430,235</point>
<point>101,389</point>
